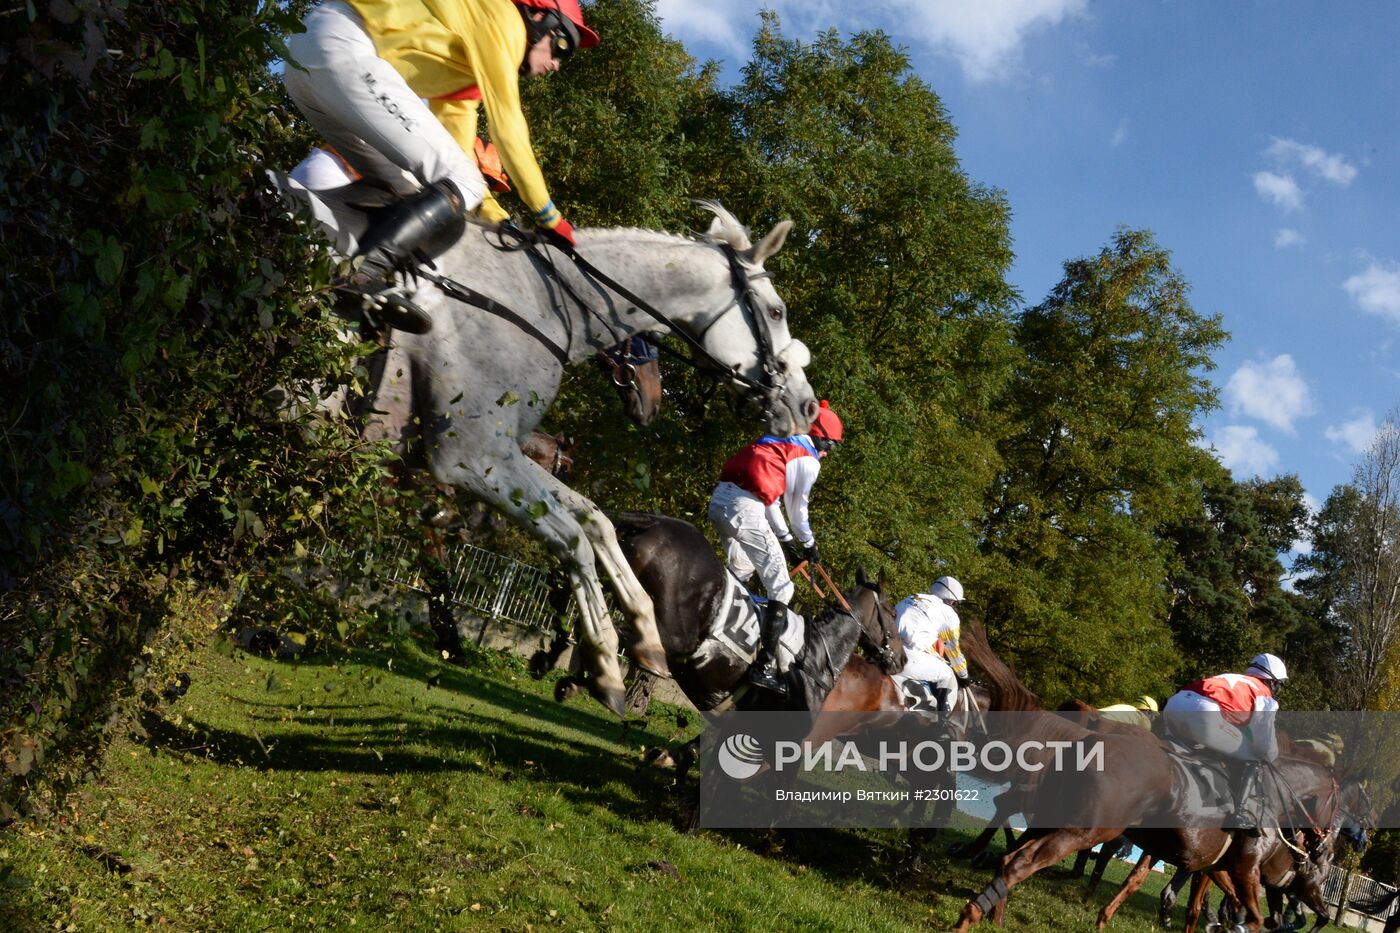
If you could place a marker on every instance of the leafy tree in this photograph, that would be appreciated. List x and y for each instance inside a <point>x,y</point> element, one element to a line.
<point>1227,600</point>
<point>1351,577</point>
<point>1101,457</point>
<point>897,283</point>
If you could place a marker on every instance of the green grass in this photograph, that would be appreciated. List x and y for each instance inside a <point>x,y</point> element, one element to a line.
<point>378,792</point>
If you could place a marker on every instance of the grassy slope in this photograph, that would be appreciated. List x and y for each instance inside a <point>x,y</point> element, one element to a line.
<point>377,792</point>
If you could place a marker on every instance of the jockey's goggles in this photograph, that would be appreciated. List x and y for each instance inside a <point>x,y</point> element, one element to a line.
<point>563,35</point>
<point>825,444</point>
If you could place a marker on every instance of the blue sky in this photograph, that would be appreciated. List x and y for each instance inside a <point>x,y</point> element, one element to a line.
<point>1258,139</point>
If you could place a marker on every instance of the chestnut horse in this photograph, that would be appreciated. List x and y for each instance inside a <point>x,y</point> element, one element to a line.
<point>1344,813</point>
<point>1136,788</point>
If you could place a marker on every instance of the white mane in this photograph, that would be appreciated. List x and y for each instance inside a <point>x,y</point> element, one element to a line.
<point>725,227</point>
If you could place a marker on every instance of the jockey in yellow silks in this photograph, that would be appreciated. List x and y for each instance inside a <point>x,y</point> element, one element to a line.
<point>360,74</point>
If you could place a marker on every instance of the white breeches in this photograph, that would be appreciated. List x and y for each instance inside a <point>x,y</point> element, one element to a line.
<point>365,109</point>
<point>749,542</point>
<point>925,665</point>
<point>1198,719</point>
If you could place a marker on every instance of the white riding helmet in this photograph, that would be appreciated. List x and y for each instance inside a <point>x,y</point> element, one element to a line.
<point>948,589</point>
<point>1269,666</point>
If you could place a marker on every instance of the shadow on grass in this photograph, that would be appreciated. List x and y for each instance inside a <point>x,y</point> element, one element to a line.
<point>510,739</point>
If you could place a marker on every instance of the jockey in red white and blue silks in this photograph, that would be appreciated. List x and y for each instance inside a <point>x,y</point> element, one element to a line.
<point>1232,714</point>
<point>745,510</point>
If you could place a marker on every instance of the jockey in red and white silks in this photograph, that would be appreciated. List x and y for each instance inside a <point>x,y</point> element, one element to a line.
<point>930,629</point>
<point>756,485</point>
<point>1232,714</point>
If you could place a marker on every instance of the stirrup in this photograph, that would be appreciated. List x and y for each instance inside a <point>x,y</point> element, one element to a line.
<point>766,677</point>
<point>399,312</point>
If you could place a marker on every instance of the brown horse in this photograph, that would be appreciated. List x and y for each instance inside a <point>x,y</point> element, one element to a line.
<point>1295,863</point>
<point>1136,788</point>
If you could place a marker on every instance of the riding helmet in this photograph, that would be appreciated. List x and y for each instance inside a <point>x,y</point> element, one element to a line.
<point>1268,667</point>
<point>827,425</point>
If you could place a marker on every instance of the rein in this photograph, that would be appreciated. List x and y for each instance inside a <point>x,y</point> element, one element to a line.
<point>700,358</point>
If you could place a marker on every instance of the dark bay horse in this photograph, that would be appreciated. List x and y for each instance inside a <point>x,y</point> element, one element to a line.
<point>634,368</point>
<point>690,586</point>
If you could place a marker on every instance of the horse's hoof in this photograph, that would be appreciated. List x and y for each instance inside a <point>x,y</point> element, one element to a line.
<point>614,698</point>
<point>566,689</point>
<point>652,659</point>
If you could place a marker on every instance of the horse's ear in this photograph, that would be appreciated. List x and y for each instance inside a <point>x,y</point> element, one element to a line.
<point>881,581</point>
<point>860,575</point>
<point>771,243</point>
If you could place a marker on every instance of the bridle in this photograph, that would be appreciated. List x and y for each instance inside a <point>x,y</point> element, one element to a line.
<point>759,396</point>
<point>884,653</point>
<point>622,360</point>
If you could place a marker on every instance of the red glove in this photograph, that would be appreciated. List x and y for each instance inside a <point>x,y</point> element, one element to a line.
<point>562,234</point>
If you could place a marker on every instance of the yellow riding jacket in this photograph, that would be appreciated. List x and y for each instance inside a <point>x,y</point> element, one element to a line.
<point>444,49</point>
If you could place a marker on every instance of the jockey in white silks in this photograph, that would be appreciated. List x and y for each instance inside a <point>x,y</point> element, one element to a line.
<point>745,510</point>
<point>361,72</point>
<point>1233,714</point>
<point>930,629</point>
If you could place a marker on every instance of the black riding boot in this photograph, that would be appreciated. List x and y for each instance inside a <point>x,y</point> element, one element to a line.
<point>764,673</point>
<point>1247,782</point>
<point>415,230</point>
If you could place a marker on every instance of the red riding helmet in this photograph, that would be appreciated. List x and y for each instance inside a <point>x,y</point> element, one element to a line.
<point>827,424</point>
<point>569,10</point>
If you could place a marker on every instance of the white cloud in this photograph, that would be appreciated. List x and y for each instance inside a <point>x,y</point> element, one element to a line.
<point>1287,236</point>
<point>1356,435</point>
<point>1120,134</point>
<point>1329,166</point>
<point>1240,449</point>
<point>1377,290</point>
<point>985,37</point>
<point>725,23</point>
<point>1273,392</point>
<point>1280,189</point>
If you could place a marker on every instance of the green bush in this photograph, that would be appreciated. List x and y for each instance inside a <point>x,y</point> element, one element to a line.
<point>155,296</point>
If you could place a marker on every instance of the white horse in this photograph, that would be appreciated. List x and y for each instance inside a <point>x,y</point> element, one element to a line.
<point>479,381</point>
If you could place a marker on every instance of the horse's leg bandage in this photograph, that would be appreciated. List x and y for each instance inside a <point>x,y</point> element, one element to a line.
<point>991,895</point>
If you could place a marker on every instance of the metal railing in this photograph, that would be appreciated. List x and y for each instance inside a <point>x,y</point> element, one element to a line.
<point>492,585</point>
<point>1362,892</point>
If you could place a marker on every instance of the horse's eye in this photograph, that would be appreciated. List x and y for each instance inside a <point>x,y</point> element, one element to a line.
<point>776,312</point>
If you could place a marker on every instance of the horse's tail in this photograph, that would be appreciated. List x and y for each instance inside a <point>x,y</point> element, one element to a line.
<point>1008,693</point>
